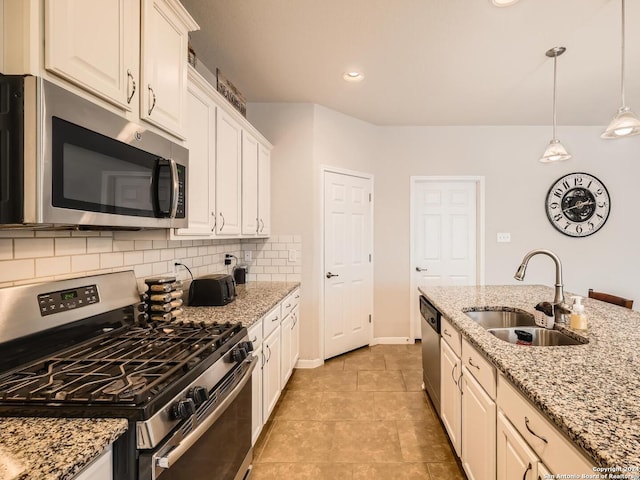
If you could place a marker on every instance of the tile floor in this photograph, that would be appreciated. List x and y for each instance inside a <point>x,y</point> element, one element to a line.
<point>361,416</point>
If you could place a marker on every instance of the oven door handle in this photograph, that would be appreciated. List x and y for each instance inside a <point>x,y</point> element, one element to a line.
<point>166,461</point>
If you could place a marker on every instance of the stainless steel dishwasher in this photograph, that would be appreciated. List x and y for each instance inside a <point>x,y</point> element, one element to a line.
<point>430,326</point>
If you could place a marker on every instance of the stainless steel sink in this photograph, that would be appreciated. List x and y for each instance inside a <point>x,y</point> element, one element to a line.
<point>501,319</point>
<point>540,337</point>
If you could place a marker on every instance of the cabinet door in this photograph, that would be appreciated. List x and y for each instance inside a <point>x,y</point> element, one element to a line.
<point>271,373</point>
<point>295,336</point>
<point>285,355</point>
<point>228,174</point>
<point>478,431</point>
<point>100,469</point>
<point>515,460</point>
<point>250,224</point>
<point>264,190</point>
<point>94,45</point>
<point>201,122</point>
<point>450,401</point>
<point>164,39</point>
<point>256,400</point>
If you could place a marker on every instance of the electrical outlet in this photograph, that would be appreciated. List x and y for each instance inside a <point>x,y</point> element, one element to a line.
<point>247,255</point>
<point>293,255</point>
<point>503,237</point>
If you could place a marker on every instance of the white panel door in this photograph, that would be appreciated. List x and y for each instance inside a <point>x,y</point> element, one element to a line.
<point>444,241</point>
<point>347,257</point>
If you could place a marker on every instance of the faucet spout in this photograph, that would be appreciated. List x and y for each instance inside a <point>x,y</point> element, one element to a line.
<point>558,300</point>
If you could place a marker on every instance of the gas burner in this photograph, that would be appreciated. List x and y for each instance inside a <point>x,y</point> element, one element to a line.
<point>121,389</point>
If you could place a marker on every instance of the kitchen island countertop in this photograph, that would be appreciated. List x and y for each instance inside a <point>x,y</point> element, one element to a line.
<point>590,392</point>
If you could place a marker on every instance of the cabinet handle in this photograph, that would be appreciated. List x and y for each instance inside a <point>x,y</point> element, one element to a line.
<point>453,373</point>
<point>215,221</point>
<point>222,216</point>
<point>297,296</point>
<point>524,477</point>
<point>132,82</point>
<point>257,226</point>
<point>447,333</point>
<point>153,103</point>
<point>268,348</point>
<point>275,319</point>
<point>263,359</point>
<point>287,305</point>
<point>255,339</point>
<point>526,424</point>
<point>262,227</point>
<point>472,364</point>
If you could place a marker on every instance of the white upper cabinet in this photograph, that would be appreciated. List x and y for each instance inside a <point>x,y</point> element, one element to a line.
<point>264,190</point>
<point>95,45</point>
<point>201,125</point>
<point>165,27</point>
<point>228,174</point>
<point>250,225</point>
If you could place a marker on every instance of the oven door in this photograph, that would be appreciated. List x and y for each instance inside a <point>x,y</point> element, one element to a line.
<point>219,446</point>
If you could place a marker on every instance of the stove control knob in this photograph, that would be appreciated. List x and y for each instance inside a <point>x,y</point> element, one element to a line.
<point>239,354</point>
<point>199,395</point>
<point>248,346</point>
<point>183,409</point>
<point>141,307</point>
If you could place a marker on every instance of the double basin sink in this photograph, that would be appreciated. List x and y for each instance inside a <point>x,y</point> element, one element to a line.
<point>519,328</point>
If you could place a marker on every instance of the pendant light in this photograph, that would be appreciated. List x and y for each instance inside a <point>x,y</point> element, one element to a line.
<point>555,151</point>
<point>625,123</point>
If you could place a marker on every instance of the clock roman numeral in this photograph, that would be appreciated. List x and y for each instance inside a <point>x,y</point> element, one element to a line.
<point>566,185</point>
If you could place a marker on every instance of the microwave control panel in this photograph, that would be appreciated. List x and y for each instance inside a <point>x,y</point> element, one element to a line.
<point>56,302</point>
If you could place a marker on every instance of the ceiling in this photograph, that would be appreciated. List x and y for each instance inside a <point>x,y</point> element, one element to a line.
<point>426,62</point>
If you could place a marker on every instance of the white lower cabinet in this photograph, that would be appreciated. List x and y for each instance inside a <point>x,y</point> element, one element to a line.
<point>100,469</point>
<point>450,397</point>
<point>271,373</point>
<point>478,432</point>
<point>515,460</point>
<point>295,336</point>
<point>285,351</point>
<point>256,396</point>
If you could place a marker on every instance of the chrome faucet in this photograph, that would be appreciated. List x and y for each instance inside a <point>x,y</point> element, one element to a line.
<point>559,306</point>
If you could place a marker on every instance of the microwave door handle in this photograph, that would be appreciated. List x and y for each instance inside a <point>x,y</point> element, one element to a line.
<point>175,188</point>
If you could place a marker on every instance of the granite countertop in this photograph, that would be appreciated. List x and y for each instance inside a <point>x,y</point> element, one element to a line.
<point>53,448</point>
<point>591,392</point>
<point>254,300</point>
<point>59,448</point>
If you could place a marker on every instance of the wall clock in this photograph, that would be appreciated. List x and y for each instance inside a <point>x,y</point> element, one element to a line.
<point>578,204</point>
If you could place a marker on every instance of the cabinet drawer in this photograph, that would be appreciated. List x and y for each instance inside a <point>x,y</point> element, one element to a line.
<point>480,368</point>
<point>451,335</point>
<point>556,451</point>
<point>290,302</point>
<point>255,334</point>
<point>271,321</point>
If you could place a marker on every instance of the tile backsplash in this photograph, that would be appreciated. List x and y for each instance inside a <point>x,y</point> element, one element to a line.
<point>36,256</point>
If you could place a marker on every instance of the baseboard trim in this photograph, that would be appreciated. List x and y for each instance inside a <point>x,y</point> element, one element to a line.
<point>392,341</point>
<point>317,362</point>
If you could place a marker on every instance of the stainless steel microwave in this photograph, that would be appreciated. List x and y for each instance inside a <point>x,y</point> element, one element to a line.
<point>65,161</point>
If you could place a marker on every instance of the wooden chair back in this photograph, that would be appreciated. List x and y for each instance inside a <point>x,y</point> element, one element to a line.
<point>606,297</point>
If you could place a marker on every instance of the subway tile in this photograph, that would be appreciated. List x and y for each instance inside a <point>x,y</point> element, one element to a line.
<point>192,252</point>
<point>264,262</point>
<point>197,261</point>
<point>32,247</point>
<point>294,277</point>
<point>283,254</point>
<point>211,249</point>
<point>123,245</point>
<point>252,277</point>
<point>151,256</point>
<point>271,254</point>
<point>143,270</point>
<point>285,270</point>
<point>53,266</point>
<point>6,249</point>
<point>106,234</point>
<point>85,233</point>
<point>203,251</point>
<point>278,246</point>
<point>271,269</point>
<point>110,260</point>
<point>167,254</point>
<point>12,270</point>
<point>143,244</point>
<point>158,244</point>
<point>85,263</point>
<point>16,234</point>
<point>257,269</point>
<point>52,233</point>
<point>186,243</point>
<point>64,276</point>
<point>285,238</point>
<point>99,245</point>
<point>263,277</point>
<point>133,258</point>
<point>180,253</point>
<point>278,262</point>
<point>70,246</point>
<point>173,243</point>
<point>159,268</point>
<point>278,277</point>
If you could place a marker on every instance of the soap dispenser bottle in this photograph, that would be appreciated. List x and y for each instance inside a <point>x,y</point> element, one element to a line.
<point>578,317</point>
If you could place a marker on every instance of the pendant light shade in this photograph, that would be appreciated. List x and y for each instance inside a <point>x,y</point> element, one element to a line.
<point>625,123</point>
<point>555,151</point>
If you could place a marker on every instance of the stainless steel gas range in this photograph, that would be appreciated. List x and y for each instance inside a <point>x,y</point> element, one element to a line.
<point>81,348</point>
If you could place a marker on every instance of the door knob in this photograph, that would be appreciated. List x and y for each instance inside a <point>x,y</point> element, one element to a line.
<point>329,275</point>
<point>420,269</point>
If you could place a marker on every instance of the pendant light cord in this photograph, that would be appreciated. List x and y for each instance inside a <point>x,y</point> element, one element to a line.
<point>622,63</point>
<point>555,62</point>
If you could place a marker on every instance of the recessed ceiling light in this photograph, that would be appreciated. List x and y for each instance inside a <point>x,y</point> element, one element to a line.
<point>353,76</point>
<point>503,3</point>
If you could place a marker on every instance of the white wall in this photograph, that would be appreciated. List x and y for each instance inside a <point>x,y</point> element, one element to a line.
<point>516,186</point>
